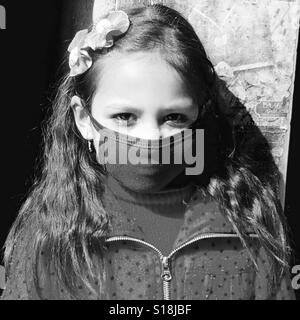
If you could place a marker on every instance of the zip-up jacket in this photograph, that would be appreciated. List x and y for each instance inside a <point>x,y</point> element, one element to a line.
<point>207,262</point>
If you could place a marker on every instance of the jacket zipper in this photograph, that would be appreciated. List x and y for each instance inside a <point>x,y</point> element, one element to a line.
<point>165,260</point>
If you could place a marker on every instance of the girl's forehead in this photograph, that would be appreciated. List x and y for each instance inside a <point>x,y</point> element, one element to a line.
<point>137,78</point>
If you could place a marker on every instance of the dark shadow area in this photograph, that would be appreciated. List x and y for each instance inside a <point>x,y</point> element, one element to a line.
<point>292,196</point>
<point>31,55</point>
<point>28,57</point>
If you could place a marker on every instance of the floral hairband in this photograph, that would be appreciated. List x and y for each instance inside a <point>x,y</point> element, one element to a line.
<point>101,36</point>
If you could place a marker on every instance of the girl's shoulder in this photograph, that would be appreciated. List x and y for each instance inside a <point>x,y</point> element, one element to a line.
<point>19,278</point>
<point>205,213</point>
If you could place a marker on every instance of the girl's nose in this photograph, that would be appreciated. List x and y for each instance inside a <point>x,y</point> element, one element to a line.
<point>149,133</point>
<point>148,129</point>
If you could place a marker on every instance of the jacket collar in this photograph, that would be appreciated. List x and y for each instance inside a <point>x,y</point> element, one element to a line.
<point>202,216</point>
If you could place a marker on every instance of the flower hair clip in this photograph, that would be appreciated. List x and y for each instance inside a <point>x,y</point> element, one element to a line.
<point>101,36</point>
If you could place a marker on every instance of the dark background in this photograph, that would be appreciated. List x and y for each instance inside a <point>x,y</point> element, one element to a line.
<point>31,52</point>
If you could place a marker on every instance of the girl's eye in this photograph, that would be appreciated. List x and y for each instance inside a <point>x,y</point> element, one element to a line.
<point>176,118</point>
<point>124,117</point>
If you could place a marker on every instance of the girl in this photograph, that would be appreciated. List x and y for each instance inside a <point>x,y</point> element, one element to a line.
<point>95,229</point>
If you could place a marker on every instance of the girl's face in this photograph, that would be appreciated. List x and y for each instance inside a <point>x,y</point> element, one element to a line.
<point>140,95</point>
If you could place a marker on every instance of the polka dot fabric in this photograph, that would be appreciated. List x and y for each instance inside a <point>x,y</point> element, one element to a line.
<point>132,273</point>
<point>208,269</point>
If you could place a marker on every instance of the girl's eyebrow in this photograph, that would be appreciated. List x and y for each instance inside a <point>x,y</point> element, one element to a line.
<point>184,103</point>
<point>175,105</point>
<point>187,107</point>
<point>122,107</point>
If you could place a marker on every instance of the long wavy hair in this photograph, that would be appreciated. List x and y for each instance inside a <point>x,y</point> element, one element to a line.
<point>64,207</point>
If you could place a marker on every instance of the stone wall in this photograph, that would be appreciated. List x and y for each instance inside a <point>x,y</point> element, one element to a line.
<point>253,45</point>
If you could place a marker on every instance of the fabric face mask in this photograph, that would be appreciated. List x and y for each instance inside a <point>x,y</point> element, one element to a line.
<point>144,165</point>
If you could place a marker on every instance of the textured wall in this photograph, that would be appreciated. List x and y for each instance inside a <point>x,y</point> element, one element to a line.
<point>253,45</point>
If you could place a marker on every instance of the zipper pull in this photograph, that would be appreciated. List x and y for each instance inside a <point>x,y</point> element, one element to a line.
<point>166,272</point>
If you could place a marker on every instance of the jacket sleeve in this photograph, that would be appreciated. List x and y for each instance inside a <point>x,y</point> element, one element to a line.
<point>262,287</point>
<point>285,290</point>
<point>19,281</point>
